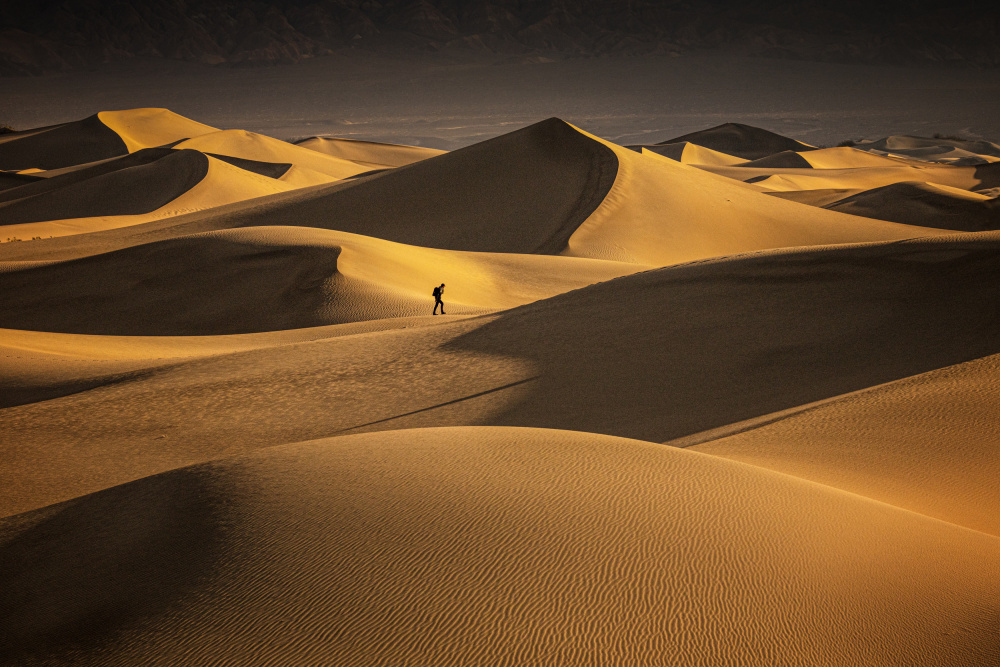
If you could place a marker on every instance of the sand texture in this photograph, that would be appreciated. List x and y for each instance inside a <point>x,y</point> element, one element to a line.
<point>491,546</point>
<point>725,400</point>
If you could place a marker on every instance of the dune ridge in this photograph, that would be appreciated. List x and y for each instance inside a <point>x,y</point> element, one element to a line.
<point>927,443</point>
<point>372,154</point>
<point>272,278</point>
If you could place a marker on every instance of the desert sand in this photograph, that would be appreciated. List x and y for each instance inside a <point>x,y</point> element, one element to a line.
<point>725,399</point>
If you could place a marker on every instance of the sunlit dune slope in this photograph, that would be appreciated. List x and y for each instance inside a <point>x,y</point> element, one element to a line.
<point>148,185</point>
<point>688,153</point>
<point>150,128</point>
<point>38,365</point>
<point>661,212</point>
<point>371,154</point>
<point>546,189</point>
<point>104,135</point>
<point>743,141</point>
<point>271,278</point>
<point>845,157</point>
<point>930,443</point>
<point>824,158</point>
<point>657,356</point>
<point>862,178</point>
<point>491,546</point>
<point>251,146</point>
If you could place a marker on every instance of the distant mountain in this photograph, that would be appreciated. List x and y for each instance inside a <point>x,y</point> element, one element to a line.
<point>53,35</point>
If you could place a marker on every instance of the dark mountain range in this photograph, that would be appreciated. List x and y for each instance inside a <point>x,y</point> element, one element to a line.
<point>53,35</point>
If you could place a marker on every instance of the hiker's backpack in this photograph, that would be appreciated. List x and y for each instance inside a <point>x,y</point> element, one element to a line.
<point>436,293</point>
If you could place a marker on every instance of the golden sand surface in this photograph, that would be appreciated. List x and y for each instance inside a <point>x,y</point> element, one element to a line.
<point>726,400</point>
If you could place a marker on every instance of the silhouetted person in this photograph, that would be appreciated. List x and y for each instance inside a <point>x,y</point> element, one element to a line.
<point>438,293</point>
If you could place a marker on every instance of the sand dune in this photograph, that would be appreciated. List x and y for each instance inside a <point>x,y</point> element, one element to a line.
<point>65,145</point>
<point>743,141</point>
<point>688,153</point>
<point>908,145</point>
<point>668,353</point>
<point>525,192</point>
<point>546,189</point>
<point>251,146</point>
<point>139,183</point>
<point>660,212</point>
<point>152,184</point>
<point>491,546</point>
<point>927,443</point>
<point>861,178</point>
<point>848,158</point>
<point>824,158</point>
<point>12,179</point>
<point>924,204</point>
<point>151,128</point>
<point>371,154</point>
<point>272,278</point>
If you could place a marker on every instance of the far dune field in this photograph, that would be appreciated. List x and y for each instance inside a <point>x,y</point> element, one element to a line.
<point>721,399</point>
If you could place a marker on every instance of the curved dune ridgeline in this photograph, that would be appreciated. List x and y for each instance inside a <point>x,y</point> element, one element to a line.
<point>726,402</point>
<point>372,154</point>
<point>742,141</point>
<point>488,546</point>
<point>273,278</point>
<point>65,145</point>
<point>927,443</point>
<point>139,183</point>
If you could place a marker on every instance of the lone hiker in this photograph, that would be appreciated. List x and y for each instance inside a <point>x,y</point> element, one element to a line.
<point>438,293</point>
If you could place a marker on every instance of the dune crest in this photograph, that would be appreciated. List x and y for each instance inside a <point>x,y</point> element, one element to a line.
<point>151,128</point>
<point>371,154</point>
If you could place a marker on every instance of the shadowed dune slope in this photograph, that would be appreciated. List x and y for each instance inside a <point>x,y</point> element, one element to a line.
<point>221,183</point>
<point>929,443</point>
<point>271,278</point>
<point>136,184</point>
<point>491,546</point>
<point>371,154</point>
<point>924,204</point>
<point>10,180</point>
<point>656,356</point>
<point>74,143</point>
<point>743,141</point>
<point>782,160</point>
